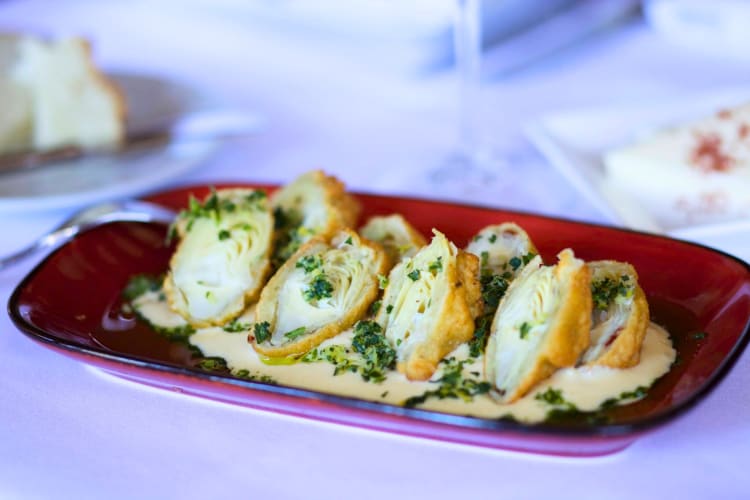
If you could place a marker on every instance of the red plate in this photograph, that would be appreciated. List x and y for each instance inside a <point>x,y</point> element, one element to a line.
<point>70,303</point>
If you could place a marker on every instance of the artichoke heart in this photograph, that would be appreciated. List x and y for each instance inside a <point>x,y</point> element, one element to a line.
<point>398,237</point>
<point>429,306</point>
<point>620,315</point>
<point>322,290</point>
<point>312,205</point>
<point>223,257</point>
<point>541,324</point>
<point>503,249</point>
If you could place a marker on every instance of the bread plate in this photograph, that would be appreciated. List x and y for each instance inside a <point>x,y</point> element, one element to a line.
<point>575,141</point>
<point>700,295</point>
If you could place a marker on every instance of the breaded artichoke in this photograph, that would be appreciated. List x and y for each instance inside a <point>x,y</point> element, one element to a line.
<point>223,257</point>
<point>503,249</point>
<point>395,234</point>
<point>322,290</point>
<point>620,315</point>
<point>314,204</point>
<point>429,306</point>
<point>541,324</point>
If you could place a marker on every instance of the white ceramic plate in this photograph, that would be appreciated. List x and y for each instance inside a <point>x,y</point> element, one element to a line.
<point>575,140</point>
<point>153,104</point>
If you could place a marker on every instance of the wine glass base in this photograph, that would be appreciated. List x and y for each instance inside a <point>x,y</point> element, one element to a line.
<point>464,169</point>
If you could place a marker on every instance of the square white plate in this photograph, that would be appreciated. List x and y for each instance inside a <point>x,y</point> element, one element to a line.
<point>574,142</point>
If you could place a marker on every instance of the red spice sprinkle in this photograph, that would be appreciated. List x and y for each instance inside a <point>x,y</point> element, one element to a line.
<point>743,131</point>
<point>724,114</point>
<point>708,156</point>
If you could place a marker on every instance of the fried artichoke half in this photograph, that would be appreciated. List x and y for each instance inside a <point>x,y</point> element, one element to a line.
<point>223,257</point>
<point>314,204</point>
<point>620,315</point>
<point>502,248</point>
<point>398,238</point>
<point>322,290</point>
<point>429,306</point>
<point>541,324</point>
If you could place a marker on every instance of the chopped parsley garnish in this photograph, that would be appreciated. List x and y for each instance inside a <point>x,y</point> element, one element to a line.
<point>551,396</point>
<point>297,332</point>
<point>213,364</point>
<point>453,385</point>
<point>382,281</point>
<point>255,377</point>
<point>224,234</point>
<point>481,331</point>
<point>493,288</point>
<point>262,331</point>
<point>319,288</point>
<point>436,266</point>
<point>235,326</point>
<point>349,241</point>
<point>605,291</point>
<point>256,198</point>
<point>484,260</point>
<point>493,238</point>
<point>638,393</point>
<point>375,307</point>
<point>309,263</point>
<point>414,275</point>
<point>140,284</point>
<point>524,330</point>
<point>389,308</point>
<point>370,356</point>
<point>290,234</point>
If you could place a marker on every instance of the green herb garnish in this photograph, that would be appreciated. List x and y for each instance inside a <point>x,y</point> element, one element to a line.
<point>224,234</point>
<point>453,385</point>
<point>414,275</point>
<point>235,326</point>
<point>436,266</point>
<point>606,291</point>
<point>262,331</point>
<point>297,332</point>
<point>319,288</point>
<point>140,284</point>
<point>309,263</point>
<point>524,330</point>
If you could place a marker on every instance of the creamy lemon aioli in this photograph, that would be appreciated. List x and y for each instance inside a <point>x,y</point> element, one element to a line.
<point>585,387</point>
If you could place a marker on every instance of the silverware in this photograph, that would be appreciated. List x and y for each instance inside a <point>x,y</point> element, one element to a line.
<point>89,218</point>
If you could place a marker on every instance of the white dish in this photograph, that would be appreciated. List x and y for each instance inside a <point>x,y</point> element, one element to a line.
<point>575,140</point>
<point>153,104</point>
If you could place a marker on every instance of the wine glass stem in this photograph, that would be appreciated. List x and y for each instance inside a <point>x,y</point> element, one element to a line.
<point>467,41</point>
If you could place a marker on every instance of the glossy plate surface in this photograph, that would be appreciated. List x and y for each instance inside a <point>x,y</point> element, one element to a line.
<point>691,290</point>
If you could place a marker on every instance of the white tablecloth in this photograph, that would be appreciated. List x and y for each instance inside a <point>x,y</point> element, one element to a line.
<point>67,431</point>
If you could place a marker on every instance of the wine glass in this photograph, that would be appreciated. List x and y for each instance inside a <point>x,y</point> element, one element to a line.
<point>470,161</point>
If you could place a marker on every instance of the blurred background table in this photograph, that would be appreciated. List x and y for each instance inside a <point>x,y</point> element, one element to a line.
<point>379,117</point>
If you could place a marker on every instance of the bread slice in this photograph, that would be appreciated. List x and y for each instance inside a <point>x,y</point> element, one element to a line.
<point>223,257</point>
<point>502,248</point>
<point>429,306</point>
<point>541,324</point>
<point>322,290</point>
<point>69,101</point>
<point>395,234</point>
<point>620,315</point>
<point>314,204</point>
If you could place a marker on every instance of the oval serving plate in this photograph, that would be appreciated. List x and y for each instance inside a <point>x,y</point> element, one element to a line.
<point>700,295</point>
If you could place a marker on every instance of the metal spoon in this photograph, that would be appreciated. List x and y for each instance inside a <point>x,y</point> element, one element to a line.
<point>89,218</point>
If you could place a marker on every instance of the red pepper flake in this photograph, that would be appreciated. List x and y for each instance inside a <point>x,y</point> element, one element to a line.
<point>708,156</point>
<point>743,131</point>
<point>724,114</point>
